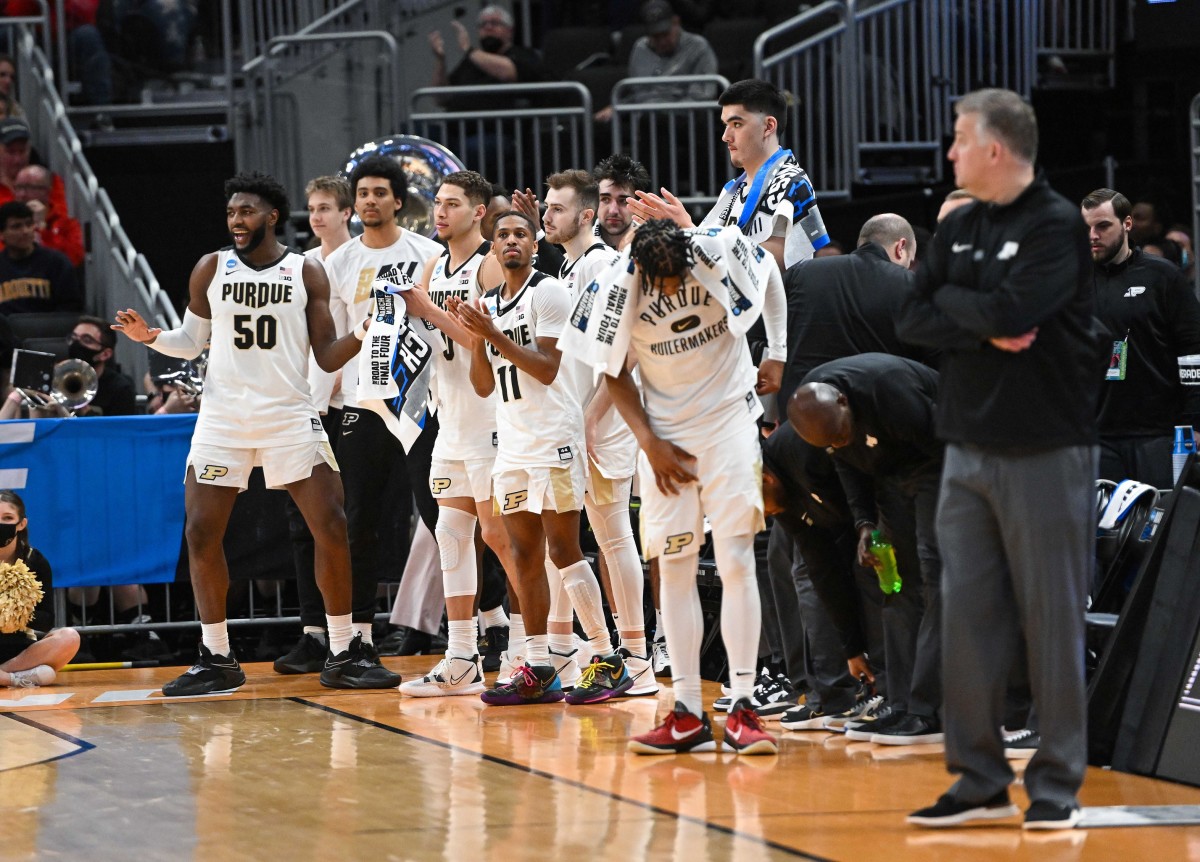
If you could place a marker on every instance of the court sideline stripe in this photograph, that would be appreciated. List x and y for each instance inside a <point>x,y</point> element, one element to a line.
<point>84,745</point>
<point>491,758</point>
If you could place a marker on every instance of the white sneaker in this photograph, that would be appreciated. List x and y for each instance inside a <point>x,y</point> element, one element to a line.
<point>661,657</point>
<point>641,671</point>
<point>43,674</point>
<point>509,662</point>
<point>584,652</point>
<point>450,676</point>
<point>566,667</point>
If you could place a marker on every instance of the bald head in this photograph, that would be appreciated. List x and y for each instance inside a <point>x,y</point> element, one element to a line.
<point>821,415</point>
<point>894,234</point>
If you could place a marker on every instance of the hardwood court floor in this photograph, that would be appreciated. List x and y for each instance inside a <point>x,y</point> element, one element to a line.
<point>100,766</point>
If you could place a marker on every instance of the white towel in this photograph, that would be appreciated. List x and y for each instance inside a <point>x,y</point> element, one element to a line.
<point>396,366</point>
<point>732,269</point>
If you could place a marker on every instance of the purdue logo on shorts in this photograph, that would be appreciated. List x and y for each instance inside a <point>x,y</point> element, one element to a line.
<point>437,486</point>
<point>213,471</point>
<point>514,499</point>
<point>678,542</point>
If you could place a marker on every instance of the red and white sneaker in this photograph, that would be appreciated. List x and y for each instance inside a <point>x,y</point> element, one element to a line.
<point>680,732</point>
<point>744,731</point>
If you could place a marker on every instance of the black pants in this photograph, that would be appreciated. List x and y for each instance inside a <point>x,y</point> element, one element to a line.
<point>1146,459</point>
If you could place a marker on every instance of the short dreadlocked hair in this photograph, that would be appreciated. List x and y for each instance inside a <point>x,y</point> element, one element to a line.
<point>661,250</point>
<point>263,185</point>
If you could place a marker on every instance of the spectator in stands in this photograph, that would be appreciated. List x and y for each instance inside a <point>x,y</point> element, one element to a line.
<point>16,154</point>
<point>93,341</point>
<point>620,178</point>
<point>32,278</point>
<point>496,61</point>
<point>31,657</point>
<point>54,228</point>
<point>1179,235</point>
<point>1147,221</point>
<point>1151,318</point>
<point>665,51</point>
<point>8,88</point>
<point>90,62</point>
<point>1167,249</point>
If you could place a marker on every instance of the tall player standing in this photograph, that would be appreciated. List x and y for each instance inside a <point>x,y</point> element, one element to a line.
<point>460,476</point>
<point>540,467</point>
<point>263,307</point>
<point>571,205</point>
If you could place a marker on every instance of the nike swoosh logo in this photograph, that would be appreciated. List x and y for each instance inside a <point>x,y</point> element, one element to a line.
<point>455,680</point>
<point>736,734</point>
<point>681,736</point>
<point>961,247</point>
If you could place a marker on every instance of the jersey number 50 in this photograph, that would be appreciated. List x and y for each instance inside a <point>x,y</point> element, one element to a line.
<point>263,333</point>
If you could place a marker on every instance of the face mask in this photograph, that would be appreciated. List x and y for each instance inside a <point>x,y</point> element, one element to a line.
<point>79,350</point>
<point>491,44</point>
<point>8,532</point>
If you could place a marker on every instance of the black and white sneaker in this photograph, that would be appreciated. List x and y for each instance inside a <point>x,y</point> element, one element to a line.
<point>210,673</point>
<point>661,657</point>
<point>1043,815</point>
<point>864,728</point>
<point>762,689</point>
<point>307,656</point>
<point>951,811</point>
<point>911,730</point>
<point>862,710</point>
<point>357,667</point>
<point>491,645</point>
<point>771,701</point>
<point>1021,744</point>
<point>803,718</point>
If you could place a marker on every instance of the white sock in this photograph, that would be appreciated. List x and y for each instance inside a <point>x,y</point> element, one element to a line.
<point>315,631</point>
<point>636,646</point>
<point>496,618</point>
<point>660,631</point>
<point>215,636</point>
<point>683,622</point>
<point>341,630</point>
<point>462,643</point>
<point>560,643</point>
<point>741,611</point>
<point>516,635</point>
<point>537,650</point>
<point>583,588</point>
<point>364,629</point>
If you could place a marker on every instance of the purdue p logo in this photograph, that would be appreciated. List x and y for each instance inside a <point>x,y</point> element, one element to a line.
<point>213,471</point>
<point>513,499</point>
<point>437,486</point>
<point>678,542</point>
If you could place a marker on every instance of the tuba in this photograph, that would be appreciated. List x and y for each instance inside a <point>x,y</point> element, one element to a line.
<point>426,163</point>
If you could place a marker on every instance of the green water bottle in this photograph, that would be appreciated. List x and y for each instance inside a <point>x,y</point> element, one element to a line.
<point>889,575</point>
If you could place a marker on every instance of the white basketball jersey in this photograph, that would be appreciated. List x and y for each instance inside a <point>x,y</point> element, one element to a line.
<point>538,425</point>
<point>353,269</point>
<point>466,422</point>
<point>256,389</point>
<point>615,446</point>
<point>697,377</point>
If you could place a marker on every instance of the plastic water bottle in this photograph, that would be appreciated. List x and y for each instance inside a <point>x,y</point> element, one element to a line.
<point>1185,444</point>
<point>886,571</point>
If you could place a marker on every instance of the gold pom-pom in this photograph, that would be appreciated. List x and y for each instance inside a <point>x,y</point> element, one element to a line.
<point>20,592</point>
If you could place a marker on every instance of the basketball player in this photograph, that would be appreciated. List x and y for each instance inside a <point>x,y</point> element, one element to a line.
<point>370,456</point>
<point>620,178</point>
<point>262,307</point>
<point>329,209</point>
<point>570,219</point>
<point>460,476</point>
<point>700,456</point>
<point>540,467</point>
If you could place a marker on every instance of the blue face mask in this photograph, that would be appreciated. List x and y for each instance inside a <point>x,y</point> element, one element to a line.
<point>8,532</point>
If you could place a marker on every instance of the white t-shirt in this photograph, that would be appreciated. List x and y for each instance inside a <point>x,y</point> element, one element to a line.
<point>538,425</point>
<point>615,446</point>
<point>256,388</point>
<point>353,268</point>
<point>466,422</point>
<point>321,383</point>
<point>697,377</point>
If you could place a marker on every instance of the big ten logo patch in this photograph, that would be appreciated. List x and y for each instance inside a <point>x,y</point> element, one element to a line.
<point>679,541</point>
<point>213,472</point>
<point>514,499</point>
<point>437,486</point>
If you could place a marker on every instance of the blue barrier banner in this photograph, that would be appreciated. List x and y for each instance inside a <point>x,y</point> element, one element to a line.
<point>104,495</point>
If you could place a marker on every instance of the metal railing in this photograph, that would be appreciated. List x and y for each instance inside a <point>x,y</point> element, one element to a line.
<point>1195,166</point>
<point>678,140</point>
<point>515,146</point>
<point>117,275</point>
<point>1079,30</point>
